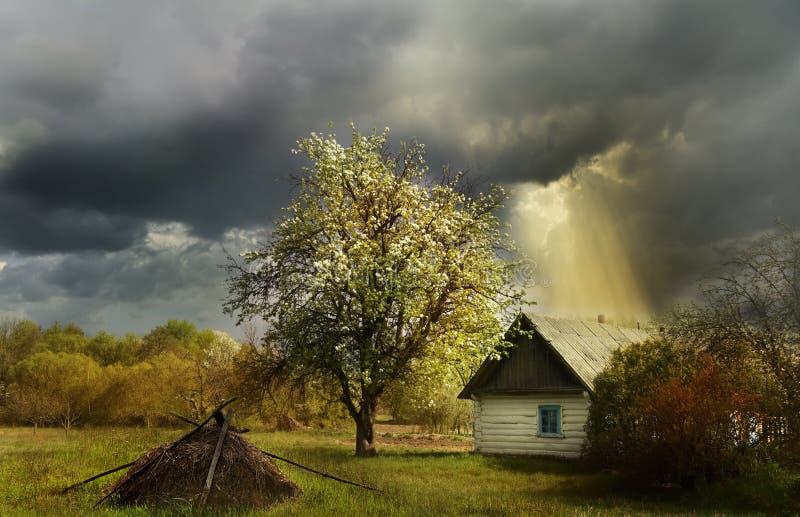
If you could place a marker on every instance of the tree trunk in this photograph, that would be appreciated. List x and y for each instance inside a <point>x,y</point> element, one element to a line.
<point>365,434</point>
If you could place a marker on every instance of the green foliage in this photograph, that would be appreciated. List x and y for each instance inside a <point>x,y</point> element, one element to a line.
<point>177,337</point>
<point>375,269</point>
<point>433,406</point>
<point>668,413</point>
<point>64,385</point>
<point>69,338</point>
<point>112,380</point>
<point>18,340</point>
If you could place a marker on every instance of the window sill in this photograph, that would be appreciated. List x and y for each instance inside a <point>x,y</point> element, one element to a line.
<point>542,435</point>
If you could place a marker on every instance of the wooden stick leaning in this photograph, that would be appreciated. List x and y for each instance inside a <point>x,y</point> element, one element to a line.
<point>215,459</point>
<point>97,476</point>
<point>181,417</point>
<point>240,430</point>
<point>323,474</point>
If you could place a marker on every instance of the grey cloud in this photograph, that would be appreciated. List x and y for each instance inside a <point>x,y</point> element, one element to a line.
<point>38,228</point>
<point>214,168</point>
<point>165,259</point>
<point>57,78</point>
<point>201,171</point>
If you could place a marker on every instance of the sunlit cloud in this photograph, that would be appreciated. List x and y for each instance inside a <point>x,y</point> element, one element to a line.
<point>582,243</point>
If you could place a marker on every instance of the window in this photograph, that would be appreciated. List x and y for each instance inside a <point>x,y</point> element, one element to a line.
<point>549,420</point>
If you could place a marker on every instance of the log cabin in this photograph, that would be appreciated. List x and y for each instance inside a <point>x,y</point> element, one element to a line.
<point>535,400</point>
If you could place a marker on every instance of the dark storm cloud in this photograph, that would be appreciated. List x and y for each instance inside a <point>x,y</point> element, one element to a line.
<point>204,170</point>
<point>173,112</point>
<point>629,69</point>
<point>212,168</point>
<point>41,228</point>
<point>165,274</point>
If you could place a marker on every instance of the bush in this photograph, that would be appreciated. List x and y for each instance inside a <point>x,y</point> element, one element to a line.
<point>433,406</point>
<point>666,413</point>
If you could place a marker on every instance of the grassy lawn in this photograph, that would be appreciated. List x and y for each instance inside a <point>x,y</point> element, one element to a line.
<point>413,479</point>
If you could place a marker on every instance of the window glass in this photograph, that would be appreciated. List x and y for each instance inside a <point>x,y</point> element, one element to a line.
<point>550,420</point>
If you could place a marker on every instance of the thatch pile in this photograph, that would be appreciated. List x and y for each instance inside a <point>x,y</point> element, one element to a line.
<point>177,471</point>
<point>210,465</point>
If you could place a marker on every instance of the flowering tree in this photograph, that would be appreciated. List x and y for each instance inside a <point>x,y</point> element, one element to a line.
<point>373,270</point>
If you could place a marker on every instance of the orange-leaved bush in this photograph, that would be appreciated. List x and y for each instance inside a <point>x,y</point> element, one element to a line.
<point>667,413</point>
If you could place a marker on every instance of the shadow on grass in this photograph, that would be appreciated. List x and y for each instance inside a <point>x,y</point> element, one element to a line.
<point>545,465</point>
<point>583,485</point>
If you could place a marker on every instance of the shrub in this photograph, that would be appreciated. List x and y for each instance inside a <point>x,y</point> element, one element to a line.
<point>430,404</point>
<point>666,413</point>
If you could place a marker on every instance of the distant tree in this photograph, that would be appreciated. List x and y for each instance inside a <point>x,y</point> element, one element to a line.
<point>429,397</point>
<point>70,338</point>
<point>375,269</point>
<point>755,304</point>
<point>104,348</point>
<point>177,337</point>
<point>146,391</point>
<point>108,349</point>
<point>31,406</point>
<point>128,348</point>
<point>67,384</point>
<point>430,404</point>
<point>212,362</point>
<point>18,340</point>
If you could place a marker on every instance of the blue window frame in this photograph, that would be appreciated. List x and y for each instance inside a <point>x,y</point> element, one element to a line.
<point>550,420</point>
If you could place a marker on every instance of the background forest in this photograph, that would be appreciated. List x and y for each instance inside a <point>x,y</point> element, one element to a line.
<point>59,376</point>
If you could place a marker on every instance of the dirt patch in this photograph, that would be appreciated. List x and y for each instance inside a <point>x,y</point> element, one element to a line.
<point>412,436</point>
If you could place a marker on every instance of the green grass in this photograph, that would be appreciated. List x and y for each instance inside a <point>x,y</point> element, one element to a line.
<point>33,469</point>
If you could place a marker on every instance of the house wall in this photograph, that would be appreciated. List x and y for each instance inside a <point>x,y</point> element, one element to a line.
<point>508,424</point>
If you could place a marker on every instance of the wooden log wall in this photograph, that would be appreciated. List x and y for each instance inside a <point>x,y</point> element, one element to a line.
<point>509,424</point>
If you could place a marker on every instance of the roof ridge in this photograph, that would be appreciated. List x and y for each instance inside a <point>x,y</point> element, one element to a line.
<point>580,320</point>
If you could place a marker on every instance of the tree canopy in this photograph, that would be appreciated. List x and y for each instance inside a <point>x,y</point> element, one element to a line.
<point>375,268</point>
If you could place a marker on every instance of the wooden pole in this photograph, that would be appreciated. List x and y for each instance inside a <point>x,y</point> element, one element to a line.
<point>215,459</point>
<point>97,476</point>
<point>181,417</point>
<point>323,474</point>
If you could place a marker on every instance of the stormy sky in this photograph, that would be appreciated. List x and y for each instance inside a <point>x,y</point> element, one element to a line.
<point>640,139</point>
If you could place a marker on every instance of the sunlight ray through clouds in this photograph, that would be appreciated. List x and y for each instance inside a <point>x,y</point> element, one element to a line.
<point>582,243</point>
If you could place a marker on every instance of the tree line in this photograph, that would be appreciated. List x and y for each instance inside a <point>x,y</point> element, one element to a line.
<point>61,376</point>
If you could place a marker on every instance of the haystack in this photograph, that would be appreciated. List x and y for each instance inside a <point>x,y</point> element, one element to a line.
<point>177,471</point>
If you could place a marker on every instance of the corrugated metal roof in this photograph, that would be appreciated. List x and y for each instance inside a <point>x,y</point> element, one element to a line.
<point>585,346</point>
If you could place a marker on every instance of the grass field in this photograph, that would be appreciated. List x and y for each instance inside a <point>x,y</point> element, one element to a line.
<point>415,478</point>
